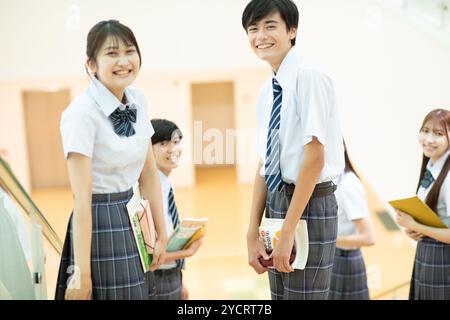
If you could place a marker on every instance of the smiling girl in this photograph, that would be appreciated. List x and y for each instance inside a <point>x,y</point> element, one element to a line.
<point>107,144</point>
<point>431,272</point>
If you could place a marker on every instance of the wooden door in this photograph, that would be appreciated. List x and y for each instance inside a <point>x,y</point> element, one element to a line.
<point>42,110</point>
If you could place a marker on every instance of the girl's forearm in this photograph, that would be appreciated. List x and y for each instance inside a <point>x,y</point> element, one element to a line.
<point>82,238</point>
<point>439,234</point>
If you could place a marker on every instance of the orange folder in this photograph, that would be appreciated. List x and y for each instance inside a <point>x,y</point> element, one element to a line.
<point>419,210</point>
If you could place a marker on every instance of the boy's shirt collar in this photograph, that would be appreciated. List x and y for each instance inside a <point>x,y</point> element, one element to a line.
<point>284,74</point>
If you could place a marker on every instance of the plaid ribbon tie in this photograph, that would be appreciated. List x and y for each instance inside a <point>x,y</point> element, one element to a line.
<point>122,121</point>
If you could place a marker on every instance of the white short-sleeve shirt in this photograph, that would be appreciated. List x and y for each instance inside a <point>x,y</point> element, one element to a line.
<point>352,203</point>
<point>165,189</point>
<point>308,109</point>
<point>117,161</point>
<point>443,203</point>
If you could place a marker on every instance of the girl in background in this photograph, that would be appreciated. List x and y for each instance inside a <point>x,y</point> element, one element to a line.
<point>348,278</point>
<point>431,272</point>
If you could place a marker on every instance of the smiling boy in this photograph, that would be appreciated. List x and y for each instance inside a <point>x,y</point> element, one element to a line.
<point>301,154</point>
<point>167,147</point>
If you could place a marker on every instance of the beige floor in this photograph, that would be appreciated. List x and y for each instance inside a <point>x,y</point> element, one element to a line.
<point>219,270</point>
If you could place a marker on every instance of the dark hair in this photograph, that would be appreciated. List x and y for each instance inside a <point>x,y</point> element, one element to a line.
<point>109,28</point>
<point>259,9</point>
<point>164,130</point>
<point>348,164</point>
<point>442,117</point>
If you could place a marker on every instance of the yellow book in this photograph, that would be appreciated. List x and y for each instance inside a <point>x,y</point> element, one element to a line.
<point>186,230</point>
<point>197,235</point>
<point>419,210</point>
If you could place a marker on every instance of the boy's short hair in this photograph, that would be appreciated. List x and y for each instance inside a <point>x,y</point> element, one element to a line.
<point>259,9</point>
<point>164,130</point>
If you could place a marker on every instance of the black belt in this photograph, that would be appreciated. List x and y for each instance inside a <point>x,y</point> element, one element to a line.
<point>320,190</point>
<point>167,272</point>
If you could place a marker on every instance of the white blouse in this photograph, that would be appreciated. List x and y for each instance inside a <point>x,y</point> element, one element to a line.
<point>117,161</point>
<point>352,203</point>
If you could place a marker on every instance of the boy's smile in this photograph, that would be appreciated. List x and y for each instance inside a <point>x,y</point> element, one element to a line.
<point>167,154</point>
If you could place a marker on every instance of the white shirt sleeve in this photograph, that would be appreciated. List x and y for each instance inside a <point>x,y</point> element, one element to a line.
<point>77,132</point>
<point>316,93</point>
<point>353,201</point>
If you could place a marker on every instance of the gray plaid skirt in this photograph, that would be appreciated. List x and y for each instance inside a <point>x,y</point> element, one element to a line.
<point>116,269</point>
<point>312,283</point>
<point>348,278</point>
<point>168,284</point>
<point>431,274</point>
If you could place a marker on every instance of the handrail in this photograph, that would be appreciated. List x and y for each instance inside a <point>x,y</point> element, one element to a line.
<point>10,183</point>
<point>391,290</point>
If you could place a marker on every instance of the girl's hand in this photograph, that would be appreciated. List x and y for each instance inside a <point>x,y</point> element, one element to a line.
<point>414,234</point>
<point>158,254</point>
<point>405,220</point>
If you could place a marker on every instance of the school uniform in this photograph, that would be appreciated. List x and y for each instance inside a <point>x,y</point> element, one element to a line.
<point>97,125</point>
<point>431,272</point>
<point>168,277</point>
<point>348,277</point>
<point>295,105</point>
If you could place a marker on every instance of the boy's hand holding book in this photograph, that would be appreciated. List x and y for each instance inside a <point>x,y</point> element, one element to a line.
<point>257,255</point>
<point>193,247</point>
<point>288,251</point>
<point>283,252</point>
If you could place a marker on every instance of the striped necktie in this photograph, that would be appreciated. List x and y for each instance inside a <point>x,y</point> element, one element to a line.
<point>272,174</point>
<point>427,179</point>
<point>175,220</point>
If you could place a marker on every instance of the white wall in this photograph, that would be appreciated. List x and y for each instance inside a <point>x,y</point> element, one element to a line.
<point>48,37</point>
<point>388,72</point>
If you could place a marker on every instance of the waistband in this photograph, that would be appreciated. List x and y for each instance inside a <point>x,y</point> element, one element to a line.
<point>110,197</point>
<point>320,190</point>
<point>347,253</point>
